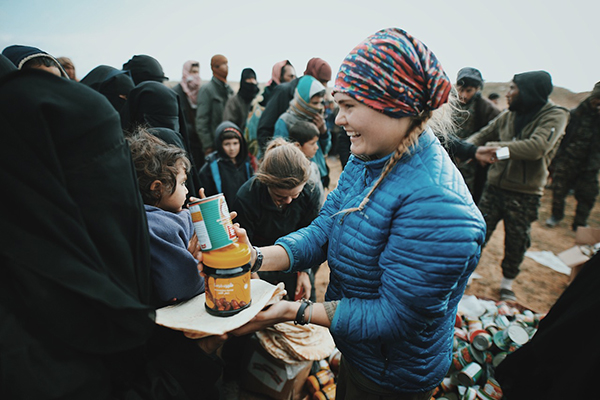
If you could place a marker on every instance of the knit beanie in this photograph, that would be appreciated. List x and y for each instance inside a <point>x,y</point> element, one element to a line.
<point>394,73</point>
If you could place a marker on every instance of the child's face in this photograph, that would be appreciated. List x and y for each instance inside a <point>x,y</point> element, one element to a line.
<point>231,147</point>
<point>310,148</point>
<point>174,202</point>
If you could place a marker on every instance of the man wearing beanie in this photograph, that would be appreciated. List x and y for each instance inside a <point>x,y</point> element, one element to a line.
<point>473,113</point>
<point>238,106</point>
<point>212,98</point>
<point>577,162</point>
<point>530,130</point>
<point>283,94</point>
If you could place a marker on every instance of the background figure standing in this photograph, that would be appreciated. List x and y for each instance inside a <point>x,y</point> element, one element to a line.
<point>27,57</point>
<point>282,72</point>
<point>577,162</point>
<point>229,166</point>
<point>238,107</point>
<point>531,130</point>
<point>283,94</point>
<point>145,68</point>
<point>114,84</point>
<point>473,113</point>
<point>187,90</point>
<point>307,105</point>
<point>69,67</point>
<point>212,98</point>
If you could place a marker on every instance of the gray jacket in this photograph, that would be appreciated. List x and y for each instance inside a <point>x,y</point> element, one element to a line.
<point>211,102</point>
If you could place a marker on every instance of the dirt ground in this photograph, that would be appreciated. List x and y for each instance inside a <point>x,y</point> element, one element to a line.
<point>537,287</point>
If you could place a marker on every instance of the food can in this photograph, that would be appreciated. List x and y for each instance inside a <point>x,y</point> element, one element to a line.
<point>227,282</point>
<point>498,358</point>
<point>481,340</point>
<point>327,393</point>
<point>469,375</point>
<point>212,223</point>
<point>470,394</point>
<point>319,380</point>
<point>490,390</point>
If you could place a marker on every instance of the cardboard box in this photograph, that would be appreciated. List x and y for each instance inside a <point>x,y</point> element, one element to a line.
<point>577,255</point>
<point>272,377</point>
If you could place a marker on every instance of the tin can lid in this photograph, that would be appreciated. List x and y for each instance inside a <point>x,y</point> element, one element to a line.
<point>518,334</point>
<point>232,256</point>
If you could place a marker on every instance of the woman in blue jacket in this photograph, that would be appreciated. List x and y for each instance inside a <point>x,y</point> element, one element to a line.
<point>400,232</point>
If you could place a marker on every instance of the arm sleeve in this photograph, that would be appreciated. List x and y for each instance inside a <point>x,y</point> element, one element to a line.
<point>266,125</point>
<point>421,268</point>
<point>488,133</point>
<point>548,131</point>
<point>174,269</point>
<point>203,118</point>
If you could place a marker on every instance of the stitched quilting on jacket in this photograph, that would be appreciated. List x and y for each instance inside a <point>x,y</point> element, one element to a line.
<point>399,266</point>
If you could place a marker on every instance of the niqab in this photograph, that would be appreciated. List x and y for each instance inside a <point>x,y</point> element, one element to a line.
<point>114,84</point>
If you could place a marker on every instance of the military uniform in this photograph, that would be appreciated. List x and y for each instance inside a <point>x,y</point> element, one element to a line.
<point>515,186</point>
<point>576,165</point>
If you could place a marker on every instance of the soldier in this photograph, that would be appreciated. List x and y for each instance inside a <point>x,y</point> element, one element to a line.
<point>474,112</point>
<point>530,129</point>
<point>577,162</point>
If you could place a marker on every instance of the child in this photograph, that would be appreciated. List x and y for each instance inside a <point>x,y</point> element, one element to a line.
<point>161,173</point>
<point>305,135</point>
<point>230,166</point>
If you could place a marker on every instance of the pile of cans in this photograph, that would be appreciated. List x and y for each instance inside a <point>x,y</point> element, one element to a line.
<point>480,345</point>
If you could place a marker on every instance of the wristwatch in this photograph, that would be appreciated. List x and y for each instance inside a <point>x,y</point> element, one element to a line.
<point>259,260</point>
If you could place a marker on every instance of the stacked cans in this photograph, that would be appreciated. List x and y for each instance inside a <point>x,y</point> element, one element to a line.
<point>226,262</point>
<point>480,345</point>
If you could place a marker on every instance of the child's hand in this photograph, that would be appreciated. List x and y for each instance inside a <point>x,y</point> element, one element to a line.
<point>194,248</point>
<point>200,193</point>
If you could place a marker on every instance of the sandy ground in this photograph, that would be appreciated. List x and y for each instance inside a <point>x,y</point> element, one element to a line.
<point>537,287</point>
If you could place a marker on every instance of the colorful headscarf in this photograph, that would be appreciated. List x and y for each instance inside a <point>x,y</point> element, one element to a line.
<point>190,83</point>
<point>394,73</point>
<point>300,108</point>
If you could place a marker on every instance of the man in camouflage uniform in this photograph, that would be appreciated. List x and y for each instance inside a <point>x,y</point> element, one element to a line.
<point>473,113</point>
<point>530,129</point>
<point>577,162</point>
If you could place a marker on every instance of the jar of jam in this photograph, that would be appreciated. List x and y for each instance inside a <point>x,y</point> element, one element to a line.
<point>227,282</point>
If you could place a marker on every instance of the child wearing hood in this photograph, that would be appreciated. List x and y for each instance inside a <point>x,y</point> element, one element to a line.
<point>230,165</point>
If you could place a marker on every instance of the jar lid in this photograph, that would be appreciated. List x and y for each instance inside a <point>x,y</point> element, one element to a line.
<point>232,256</point>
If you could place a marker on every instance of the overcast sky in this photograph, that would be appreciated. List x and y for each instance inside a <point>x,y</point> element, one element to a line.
<point>500,38</point>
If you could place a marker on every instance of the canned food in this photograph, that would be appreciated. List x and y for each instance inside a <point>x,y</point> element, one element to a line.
<point>227,283</point>
<point>481,340</point>
<point>212,223</point>
<point>491,390</point>
<point>470,374</point>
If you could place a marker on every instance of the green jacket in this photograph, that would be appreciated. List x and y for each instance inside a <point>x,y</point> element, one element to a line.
<point>212,98</point>
<point>526,171</point>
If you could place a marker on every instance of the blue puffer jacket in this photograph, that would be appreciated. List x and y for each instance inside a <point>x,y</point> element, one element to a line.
<point>399,266</point>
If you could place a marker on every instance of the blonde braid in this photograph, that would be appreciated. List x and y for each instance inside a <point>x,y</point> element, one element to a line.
<point>415,128</point>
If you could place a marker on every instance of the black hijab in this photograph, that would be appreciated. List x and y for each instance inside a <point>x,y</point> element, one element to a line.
<point>154,105</point>
<point>534,89</point>
<point>248,91</point>
<point>113,83</point>
<point>74,247</point>
<point>145,68</point>
<point>6,66</point>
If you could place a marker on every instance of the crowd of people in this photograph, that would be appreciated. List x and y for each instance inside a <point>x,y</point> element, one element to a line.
<point>104,167</point>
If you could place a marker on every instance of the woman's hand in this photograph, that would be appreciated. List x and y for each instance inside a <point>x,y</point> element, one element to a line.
<point>279,312</point>
<point>303,286</point>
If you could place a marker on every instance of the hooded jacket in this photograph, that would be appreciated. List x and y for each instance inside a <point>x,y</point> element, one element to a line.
<point>219,174</point>
<point>531,130</point>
